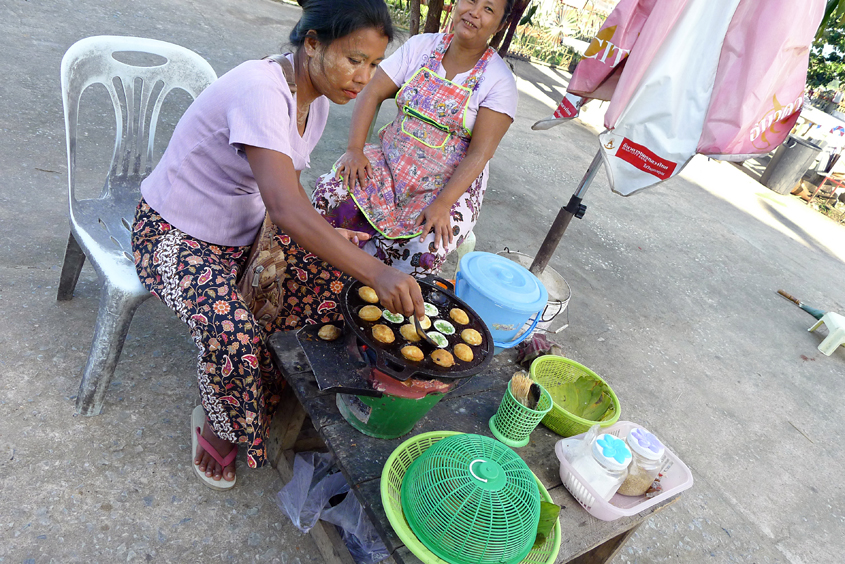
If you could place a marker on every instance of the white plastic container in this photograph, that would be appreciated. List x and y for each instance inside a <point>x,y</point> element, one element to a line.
<point>675,479</point>
<point>604,465</point>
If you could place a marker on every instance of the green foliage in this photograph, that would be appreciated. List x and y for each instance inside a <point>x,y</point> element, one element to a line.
<point>834,15</point>
<point>400,14</point>
<point>825,67</point>
<point>543,44</point>
<point>526,19</point>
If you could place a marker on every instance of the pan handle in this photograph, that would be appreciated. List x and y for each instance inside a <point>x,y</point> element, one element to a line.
<point>432,279</point>
<point>401,375</point>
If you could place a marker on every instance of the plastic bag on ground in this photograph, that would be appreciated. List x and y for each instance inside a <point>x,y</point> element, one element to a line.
<point>307,494</point>
<point>357,532</point>
<point>305,500</point>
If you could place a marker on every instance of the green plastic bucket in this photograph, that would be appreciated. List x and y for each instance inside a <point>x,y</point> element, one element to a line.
<point>387,417</point>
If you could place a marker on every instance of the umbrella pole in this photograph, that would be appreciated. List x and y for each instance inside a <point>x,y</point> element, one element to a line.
<point>564,216</point>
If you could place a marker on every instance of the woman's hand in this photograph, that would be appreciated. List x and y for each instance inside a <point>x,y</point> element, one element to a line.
<point>436,219</point>
<point>352,166</point>
<point>353,236</point>
<point>399,292</point>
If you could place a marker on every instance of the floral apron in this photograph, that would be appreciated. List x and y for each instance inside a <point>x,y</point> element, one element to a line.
<point>421,148</point>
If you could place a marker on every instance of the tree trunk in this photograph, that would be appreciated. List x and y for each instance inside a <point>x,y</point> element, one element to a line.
<point>516,15</point>
<point>415,17</point>
<point>432,22</point>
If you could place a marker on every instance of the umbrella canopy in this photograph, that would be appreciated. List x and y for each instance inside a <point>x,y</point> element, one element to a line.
<point>724,78</point>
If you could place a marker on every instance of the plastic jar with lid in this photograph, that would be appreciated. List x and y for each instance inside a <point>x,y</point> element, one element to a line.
<point>649,457</point>
<point>604,466</point>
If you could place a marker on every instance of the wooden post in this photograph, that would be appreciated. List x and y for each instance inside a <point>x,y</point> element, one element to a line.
<point>415,17</point>
<point>432,21</point>
<point>564,216</point>
<point>516,15</point>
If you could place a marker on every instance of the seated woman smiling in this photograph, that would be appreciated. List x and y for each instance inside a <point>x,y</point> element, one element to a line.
<point>418,193</point>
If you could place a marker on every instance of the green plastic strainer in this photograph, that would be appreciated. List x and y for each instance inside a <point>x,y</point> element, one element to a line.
<point>391,485</point>
<point>472,500</point>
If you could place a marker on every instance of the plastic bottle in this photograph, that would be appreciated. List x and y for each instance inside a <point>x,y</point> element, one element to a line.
<point>649,456</point>
<point>604,466</point>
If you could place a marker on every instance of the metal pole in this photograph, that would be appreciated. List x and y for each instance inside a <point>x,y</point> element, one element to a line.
<point>564,216</point>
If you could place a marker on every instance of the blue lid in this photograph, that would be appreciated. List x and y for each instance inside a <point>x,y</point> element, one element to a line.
<point>504,282</point>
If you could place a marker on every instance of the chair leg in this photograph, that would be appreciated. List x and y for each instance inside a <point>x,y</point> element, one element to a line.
<point>816,326</point>
<point>74,259</point>
<point>832,341</point>
<point>113,319</point>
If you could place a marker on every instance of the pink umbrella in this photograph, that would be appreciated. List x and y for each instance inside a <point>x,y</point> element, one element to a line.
<point>724,78</point>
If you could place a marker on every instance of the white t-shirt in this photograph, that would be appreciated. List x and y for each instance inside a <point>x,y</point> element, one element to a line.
<point>496,87</point>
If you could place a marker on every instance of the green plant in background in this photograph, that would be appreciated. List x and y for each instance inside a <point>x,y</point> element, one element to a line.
<point>541,32</point>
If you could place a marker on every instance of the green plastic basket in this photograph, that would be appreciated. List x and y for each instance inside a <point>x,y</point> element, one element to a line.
<point>555,373</point>
<point>513,422</point>
<point>397,466</point>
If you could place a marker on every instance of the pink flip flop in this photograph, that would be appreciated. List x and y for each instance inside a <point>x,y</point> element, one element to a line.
<point>197,421</point>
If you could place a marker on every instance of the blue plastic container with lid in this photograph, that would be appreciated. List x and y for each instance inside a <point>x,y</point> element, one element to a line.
<point>504,293</point>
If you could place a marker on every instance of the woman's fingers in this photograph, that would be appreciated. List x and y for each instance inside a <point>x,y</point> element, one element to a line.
<point>407,304</point>
<point>426,230</point>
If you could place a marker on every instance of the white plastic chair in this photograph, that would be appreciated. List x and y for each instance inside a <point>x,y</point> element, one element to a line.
<point>100,228</point>
<point>835,324</point>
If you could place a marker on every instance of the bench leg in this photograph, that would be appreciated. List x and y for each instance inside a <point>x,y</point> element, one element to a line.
<point>113,318</point>
<point>72,266</point>
<point>606,551</point>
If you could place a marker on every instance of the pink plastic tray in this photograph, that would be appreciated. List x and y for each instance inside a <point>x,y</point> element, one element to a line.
<point>676,479</point>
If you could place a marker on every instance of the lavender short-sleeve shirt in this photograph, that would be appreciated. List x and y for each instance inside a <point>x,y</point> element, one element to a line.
<point>203,184</point>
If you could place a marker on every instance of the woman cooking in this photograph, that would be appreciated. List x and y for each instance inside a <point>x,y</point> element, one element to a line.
<point>237,151</point>
<point>418,193</point>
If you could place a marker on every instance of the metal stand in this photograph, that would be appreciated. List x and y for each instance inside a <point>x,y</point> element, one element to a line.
<point>564,216</point>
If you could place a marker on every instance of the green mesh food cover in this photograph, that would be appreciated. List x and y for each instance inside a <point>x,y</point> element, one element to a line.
<point>470,499</point>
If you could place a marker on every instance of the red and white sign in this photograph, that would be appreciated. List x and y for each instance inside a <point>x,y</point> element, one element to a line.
<point>645,160</point>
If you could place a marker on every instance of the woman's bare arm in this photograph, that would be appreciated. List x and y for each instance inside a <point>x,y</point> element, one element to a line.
<point>282,194</point>
<point>353,165</point>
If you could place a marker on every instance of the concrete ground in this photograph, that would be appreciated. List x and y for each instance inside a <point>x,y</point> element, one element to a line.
<point>673,302</point>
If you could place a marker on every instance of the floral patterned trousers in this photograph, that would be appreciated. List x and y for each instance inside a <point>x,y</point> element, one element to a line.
<point>238,383</point>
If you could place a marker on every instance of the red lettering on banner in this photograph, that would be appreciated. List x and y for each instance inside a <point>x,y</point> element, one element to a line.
<point>640,157</point>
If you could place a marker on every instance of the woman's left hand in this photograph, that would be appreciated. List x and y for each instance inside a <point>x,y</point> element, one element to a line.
<point>436,219</point>
<point>353,236</point>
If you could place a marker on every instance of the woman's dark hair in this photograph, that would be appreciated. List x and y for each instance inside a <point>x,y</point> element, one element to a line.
<point>333,19</point>
<point>508,9</point>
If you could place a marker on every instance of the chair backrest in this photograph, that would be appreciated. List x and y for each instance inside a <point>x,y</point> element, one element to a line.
<point>91,61</point>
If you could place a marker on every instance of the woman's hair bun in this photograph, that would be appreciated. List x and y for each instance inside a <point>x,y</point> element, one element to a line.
<point>332,19</point>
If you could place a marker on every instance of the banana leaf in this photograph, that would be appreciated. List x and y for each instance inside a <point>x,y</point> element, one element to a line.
<point>586,398</point>
<point>549,513</point>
